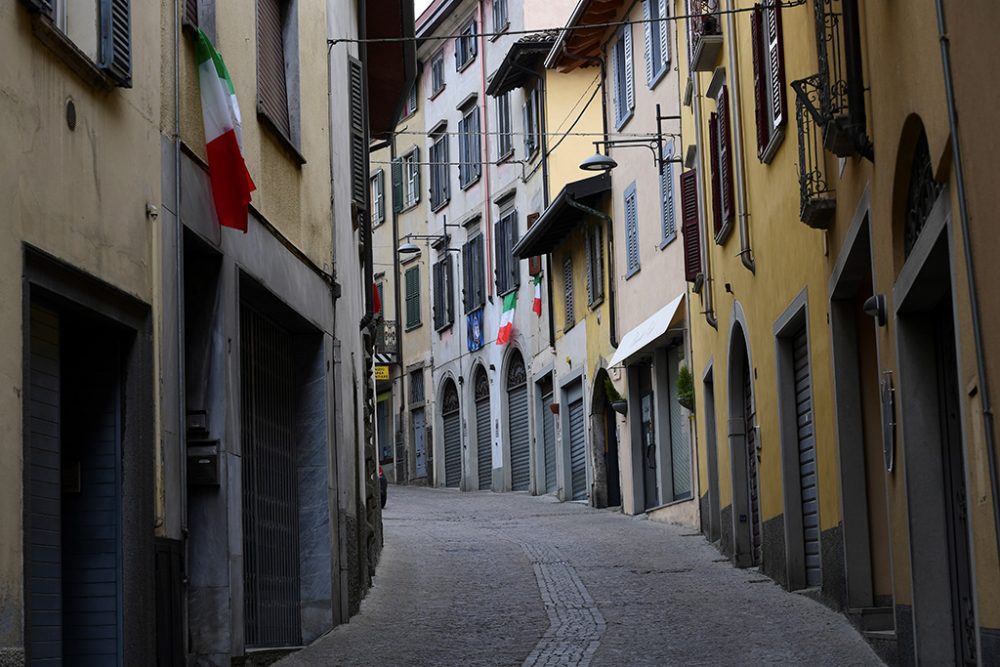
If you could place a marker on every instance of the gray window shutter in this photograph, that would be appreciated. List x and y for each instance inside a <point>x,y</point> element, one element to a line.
<point>272,89</point>
<point>651,67</point>
<point>416,174</point>
<point>467,287</point>
<point>476,144</point>
<point>445,175</point>
<point>619,56</point>
<point>359,149</point>
<point>631,231</point>
<point>527,131</point>
<point>397,185</point>
<point>599,253</point>
<point>664,33</point>
<point>568,292</point>
<point>667,193</point>
<point>590,268</point>
<point>515,265</point>
<point>117,36</point>
<point>629,76</point>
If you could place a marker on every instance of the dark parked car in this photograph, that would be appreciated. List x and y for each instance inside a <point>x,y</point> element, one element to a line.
<point>383,484</point>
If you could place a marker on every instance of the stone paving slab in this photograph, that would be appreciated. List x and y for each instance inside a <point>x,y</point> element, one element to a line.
<point>510,579</point>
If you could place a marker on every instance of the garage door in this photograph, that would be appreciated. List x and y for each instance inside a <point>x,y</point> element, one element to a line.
<point>452,423</point>
<point>484,441</point>
<point>578,449</point>
<point>518,428</point>
<point>549,442</point>
<point>807,457</point>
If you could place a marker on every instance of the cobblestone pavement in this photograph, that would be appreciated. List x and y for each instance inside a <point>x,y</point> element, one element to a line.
<point>510,579</point>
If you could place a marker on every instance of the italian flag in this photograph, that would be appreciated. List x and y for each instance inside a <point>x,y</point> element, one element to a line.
<point>227,169</point>
<point>536,305</point>
<point>507,319</point>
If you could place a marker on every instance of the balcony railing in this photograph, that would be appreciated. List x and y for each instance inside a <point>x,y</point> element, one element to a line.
<point>817,200</point>
<point>705,38</point>
<point>386,341</point>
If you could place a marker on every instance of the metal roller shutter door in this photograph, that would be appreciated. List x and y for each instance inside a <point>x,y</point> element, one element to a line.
<point>549,443</point>
<point>807,458</point>
<point>520,459</point>
<point>453,449</point>
<point>751,454</point>
<point>484,453</point>
<point>578,449</point>
<point>680,449</point>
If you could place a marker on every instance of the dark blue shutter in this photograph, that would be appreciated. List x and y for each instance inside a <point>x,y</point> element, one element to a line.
<point>117,51</point>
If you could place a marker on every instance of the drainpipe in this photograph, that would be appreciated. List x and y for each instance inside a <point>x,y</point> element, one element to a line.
<point>612,307</point>
<point>398,306</point>
<point>746,255</point>
<point>179,286</point>
<point>970,276</point>
<point>487,192</point>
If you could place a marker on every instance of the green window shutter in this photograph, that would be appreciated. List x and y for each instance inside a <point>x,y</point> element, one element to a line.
<point>117,40</point>
<point>397,185</point>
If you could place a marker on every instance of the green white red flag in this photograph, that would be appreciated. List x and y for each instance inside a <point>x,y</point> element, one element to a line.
<point>507,319</point>
<point>227,169</point>
<point>536,305</point>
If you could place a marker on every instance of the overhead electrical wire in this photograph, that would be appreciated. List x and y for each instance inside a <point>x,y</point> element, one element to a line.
<point>561,29</point>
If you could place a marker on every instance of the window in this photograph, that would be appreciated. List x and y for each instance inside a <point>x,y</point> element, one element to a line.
<point>624,90</point>
<point>595,267</point>
<point>412,285</point>
<point>721,159</point>
<point>568,302</point>
<point>470,154</point>
<point>100,30</point>
<point>410,106</point>
<point>465,46</point>
<point>669,221</point>
<point>439,158</point>
<point>689,225</point>
<point>500,20</point>
<point>417,386</point>
<point>437,73</point>
<point>768,79</point>
<point>505,135</point>
<point>444,295</point>
<point>406,181</point>
<point>378,197</point>
<point>631,232</point>
<point>473,274</point>
<point>657,40</point>
<point>277,66</point>
<point>531,123</point>
<point>508,274</point>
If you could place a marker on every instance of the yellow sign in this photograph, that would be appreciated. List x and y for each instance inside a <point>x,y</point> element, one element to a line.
<point>381,373</point>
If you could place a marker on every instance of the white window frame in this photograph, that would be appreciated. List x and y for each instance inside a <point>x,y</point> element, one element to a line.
<point>411,173</point>
<point>531,118</point>
<point>437,73</point>
<point>466,48</point>
<point>378,197</point>
<point>501,19</point>
<point>505,134</point>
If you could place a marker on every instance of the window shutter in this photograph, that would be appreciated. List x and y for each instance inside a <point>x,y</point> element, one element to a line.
<point>534,263</point>
<point>664,33</point>
<point>359,150</point>
<point>667,195</point>
<point>629,77</point>
<point>498,240</point>
<point>449,296</point>
<point>467,287</point>
<point>478,272</point>
<point>590,268</point>
<point>619,84</point>
<point>272,91</point>
<point>476,143</point>
<point>760,98</point>
<point>416,175</point>
<point>473,41</point>
<point>526,120</point>
<point>599,253</point>
<point>117,58</point>
<point>515,266</point>
<point>689,224</point>
<point>191,13</point>
<point>46,7</point>
<point>713,141</point>
<point>631,231</point>
<point>725,156</point>
<point>568,292</point>
<point>776,62</point>
<point>651,67</point>
<point>397,185</point>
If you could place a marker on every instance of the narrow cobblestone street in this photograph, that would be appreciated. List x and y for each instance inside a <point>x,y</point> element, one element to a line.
<point>510,579</point>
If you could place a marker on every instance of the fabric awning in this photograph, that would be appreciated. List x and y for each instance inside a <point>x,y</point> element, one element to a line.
<point>646,333</point>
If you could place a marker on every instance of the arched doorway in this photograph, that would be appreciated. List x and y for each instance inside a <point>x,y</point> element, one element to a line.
<point>484,441</point>
<point>607,479</point>
<point>743,453</point>
<point>451,422</point>
<point>517,423</point>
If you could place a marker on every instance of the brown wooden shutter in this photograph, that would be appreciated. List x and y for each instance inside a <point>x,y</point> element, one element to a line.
<point>725,156</point>
<point>776,62</point>
<point>713,142</point>
<point>689,225</point>
<point>272,92</point>
<point>760,81</point>
<point>534,263</point>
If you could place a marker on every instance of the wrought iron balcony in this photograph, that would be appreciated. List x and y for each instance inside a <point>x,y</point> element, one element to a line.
<point>386,340</point>
<point>816,199</point>
<point>705,37</point>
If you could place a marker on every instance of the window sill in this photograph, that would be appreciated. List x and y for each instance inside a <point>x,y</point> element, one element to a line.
<point>279,134</point>
<point>412,327</point>
<point>596,303</point>
<point>409,207</point>
<point>777,138</point>
<point>435,209</point>
<point>624,121</point>
<point>468,185</point>
<point>436,93</point>
<point>466,65</point>
<point>507,291</point>
<point>506,157</point>
<point>667,241</point>
<point>444,327</point>
<point>500,31</point>
<point>723,234</point>
<point>633,272</point>
<point>658,77</point>
<point>67,51</point>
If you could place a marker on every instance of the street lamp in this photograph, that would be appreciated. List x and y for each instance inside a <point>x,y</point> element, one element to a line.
<point>654,142</point>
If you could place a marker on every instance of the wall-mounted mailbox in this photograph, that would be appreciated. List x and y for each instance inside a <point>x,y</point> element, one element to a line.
<point>203,464</point>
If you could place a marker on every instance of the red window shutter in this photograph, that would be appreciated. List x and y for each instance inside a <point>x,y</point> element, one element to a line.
<point>689,225</point>
<point>760,80</point>
<point>534,263</point>
<point>713,143</point>
<point>725,156</point>
<point>776,63</point>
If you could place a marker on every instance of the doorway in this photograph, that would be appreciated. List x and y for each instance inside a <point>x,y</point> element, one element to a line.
<point>744,455</point>
<point>419,443</point>
<point>451,422</point>
<point>484,439</point>
<point>711,516</point>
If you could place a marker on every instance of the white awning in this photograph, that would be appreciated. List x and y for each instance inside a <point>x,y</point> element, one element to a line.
<point>640,337</point>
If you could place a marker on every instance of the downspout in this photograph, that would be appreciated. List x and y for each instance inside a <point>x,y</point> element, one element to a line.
<point>612,301</point>
<point>963,214</point>
<point>487,192</point>
<point>366,227</point>
<point>179,287</point>
<point>746,255</point>
<point>398,306</point>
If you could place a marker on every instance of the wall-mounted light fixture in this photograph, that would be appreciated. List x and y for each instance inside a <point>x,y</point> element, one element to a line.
<point>875,306</point>
<point>654,142</point>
